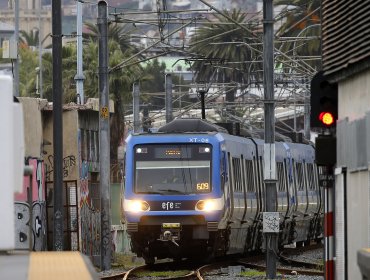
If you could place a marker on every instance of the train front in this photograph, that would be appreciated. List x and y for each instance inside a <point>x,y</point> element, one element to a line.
<point>172,201</point>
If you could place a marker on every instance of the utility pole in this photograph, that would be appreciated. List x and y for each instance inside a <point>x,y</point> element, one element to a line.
<point>104,143</point>
<point>40,51</point>
<point>57,124</point>
<point>16,34</point>
<point>202,102</point>
<point>136,106</point>
<point>270,232</point>
<point>307,112</point>
<point>169,116</point>
<point>146,120</point>
<point>79,78</point>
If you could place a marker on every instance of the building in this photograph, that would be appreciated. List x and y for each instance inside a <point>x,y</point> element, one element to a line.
<point>31,18</point>
<point>81,187</point>
<point>346,61</point>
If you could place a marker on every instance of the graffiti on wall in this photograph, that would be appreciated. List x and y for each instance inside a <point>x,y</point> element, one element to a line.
<point>34,185</point>
<point>69,162</point>
<point>90,231</point>
<point>22,226</point>
<point>90,217</point>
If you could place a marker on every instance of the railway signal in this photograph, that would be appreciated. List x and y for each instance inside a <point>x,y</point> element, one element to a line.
<point>324,102</point>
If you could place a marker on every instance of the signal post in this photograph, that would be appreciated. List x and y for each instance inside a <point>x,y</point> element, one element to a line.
<point>324,115</point>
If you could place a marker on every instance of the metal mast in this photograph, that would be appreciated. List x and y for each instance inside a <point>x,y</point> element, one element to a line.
<point>269,148</point>
<point>104,143</point>
<point>79,78</point>
<point>57,124</point>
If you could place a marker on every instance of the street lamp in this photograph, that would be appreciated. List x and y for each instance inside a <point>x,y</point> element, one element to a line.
<point>202,89</point>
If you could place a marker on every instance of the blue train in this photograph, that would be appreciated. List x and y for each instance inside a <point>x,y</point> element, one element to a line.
<point>194,190</point>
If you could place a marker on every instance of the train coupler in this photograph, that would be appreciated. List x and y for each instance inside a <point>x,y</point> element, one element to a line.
<point>170,232</point>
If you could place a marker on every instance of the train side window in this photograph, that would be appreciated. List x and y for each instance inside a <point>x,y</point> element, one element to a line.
<point>231,174</point>
<point>310,176</point>
<point>281,176</point>
<point>256,177</point>
<point>223,171</point>
<point>260,173</point>
<point>300,176</point>
<point>249,175</point>
<point>236,173</point>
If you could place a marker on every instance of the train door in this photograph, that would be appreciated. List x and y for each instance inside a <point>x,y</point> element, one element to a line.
<point>243,178</point>
<point>312,192</point>
<point>230,197</point>
<point>282,188</point>
<point>300,187</point>
<point>319,190</point>
<point>237,237</point>
<point>225,186</point>
<point>289,171</point>
<point>239,204</point>
<point>250,190</point>
<point>261,185</point>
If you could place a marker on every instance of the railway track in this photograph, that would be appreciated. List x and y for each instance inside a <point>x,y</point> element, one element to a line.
<point>287,265</point>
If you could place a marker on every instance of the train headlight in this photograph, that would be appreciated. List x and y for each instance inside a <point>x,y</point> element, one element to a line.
<point>136,206</point>
<point>208,205</point>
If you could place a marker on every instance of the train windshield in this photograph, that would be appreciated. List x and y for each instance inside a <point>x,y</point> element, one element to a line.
<point>173,169</point>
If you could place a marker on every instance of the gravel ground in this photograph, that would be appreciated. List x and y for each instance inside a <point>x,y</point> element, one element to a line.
<point>315,256</point>
<point>233,272</point>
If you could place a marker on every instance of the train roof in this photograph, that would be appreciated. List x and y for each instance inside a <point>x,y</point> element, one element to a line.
<point>191,125</point>
<point>196,125</point>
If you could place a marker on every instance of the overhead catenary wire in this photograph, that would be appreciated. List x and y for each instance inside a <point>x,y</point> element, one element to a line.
<point>292,67</point>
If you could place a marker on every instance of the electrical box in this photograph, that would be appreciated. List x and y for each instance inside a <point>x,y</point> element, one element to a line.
<point>10,48</point>
<point>271,222</point>
<point>326,150</point>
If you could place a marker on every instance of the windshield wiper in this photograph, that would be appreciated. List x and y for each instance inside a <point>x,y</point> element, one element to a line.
<point>172,191</point>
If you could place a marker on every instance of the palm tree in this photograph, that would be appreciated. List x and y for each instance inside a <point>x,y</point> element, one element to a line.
<point>230,49</point>
<point>27,72</point>
<point>69,54</point>
<point>31,38</point>
<point>119,33</point>
<point>120,80</point>
<point>301,18</point>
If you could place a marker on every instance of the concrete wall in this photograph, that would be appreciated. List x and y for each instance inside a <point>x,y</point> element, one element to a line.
<point>353,146</point>
<point>32,125</point>
<point>354,97</point>
<point>70,146</point>
<point>34,238</point>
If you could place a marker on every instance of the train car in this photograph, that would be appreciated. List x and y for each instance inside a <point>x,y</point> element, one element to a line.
<point>194,190</point>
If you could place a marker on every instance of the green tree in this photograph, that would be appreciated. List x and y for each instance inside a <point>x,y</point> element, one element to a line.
<point>230,49</point>
<point>153,81</point>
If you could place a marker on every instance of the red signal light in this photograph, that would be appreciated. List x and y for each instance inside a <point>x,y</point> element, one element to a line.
<point>326,118</point>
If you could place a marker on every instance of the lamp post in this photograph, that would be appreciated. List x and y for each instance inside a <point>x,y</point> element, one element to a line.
<point>202,90</point>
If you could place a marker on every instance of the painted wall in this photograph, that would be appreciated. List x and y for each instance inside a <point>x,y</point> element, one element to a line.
<point>36,238</point>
